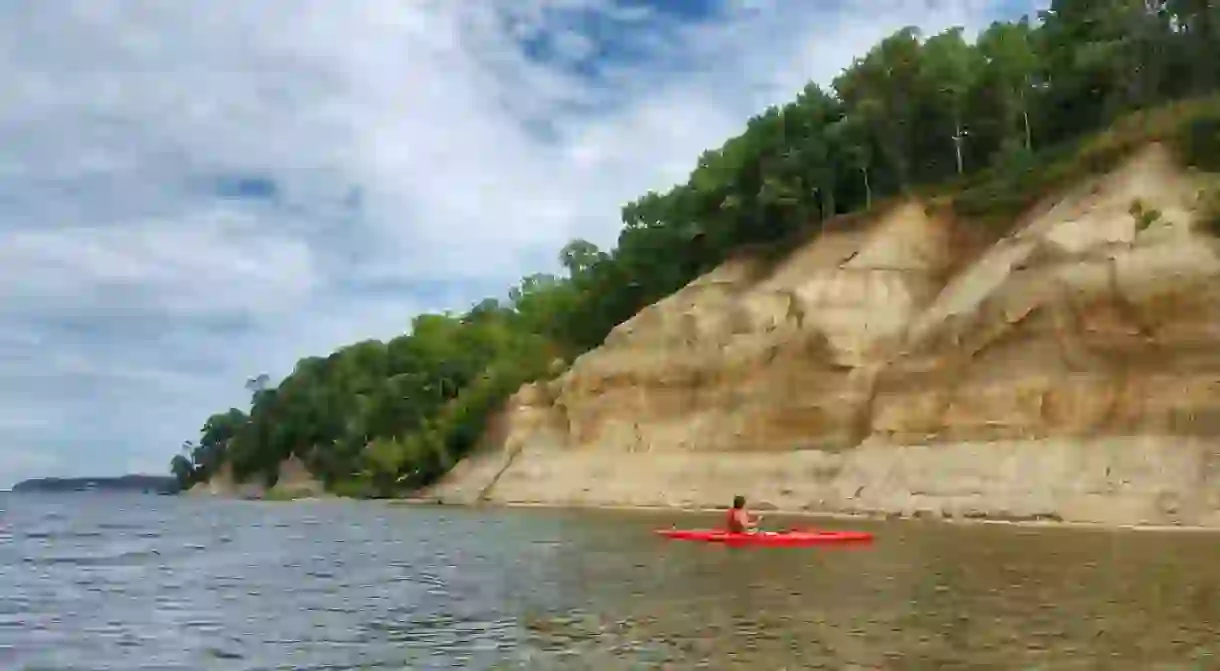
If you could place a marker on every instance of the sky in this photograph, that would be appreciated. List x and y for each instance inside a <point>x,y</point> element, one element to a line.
<point>195,193</point>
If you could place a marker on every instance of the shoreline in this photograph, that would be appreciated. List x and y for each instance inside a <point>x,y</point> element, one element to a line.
<point>826,515</point>
<point>774,512</point>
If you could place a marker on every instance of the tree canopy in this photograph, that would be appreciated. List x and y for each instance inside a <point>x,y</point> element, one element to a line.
<point>381,418</point>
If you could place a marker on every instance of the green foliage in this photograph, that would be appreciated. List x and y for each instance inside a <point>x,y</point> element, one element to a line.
<point>1144,217</point>
<point>1199,145</point>
<point>354,488</point>
<point>990,127</point>
<point>1017,181</point>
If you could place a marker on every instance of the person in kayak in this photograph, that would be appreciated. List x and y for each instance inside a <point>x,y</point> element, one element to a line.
<point>739,521</point>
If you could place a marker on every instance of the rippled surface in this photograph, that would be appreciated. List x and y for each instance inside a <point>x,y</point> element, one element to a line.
<point>131,582</point>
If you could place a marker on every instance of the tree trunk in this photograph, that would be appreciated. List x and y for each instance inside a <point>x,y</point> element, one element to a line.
<point>957,145</point>
<point>1029,142</point>
<point>1029,138</point>
<point>868,190</point>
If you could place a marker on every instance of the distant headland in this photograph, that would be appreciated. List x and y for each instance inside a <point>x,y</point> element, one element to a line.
<point>147,484</point>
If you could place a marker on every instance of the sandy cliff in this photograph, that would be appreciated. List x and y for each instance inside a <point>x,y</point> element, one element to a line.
<point>1069,370</point>
<point>293,481</point>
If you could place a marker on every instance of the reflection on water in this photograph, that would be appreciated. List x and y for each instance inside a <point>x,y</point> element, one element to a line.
<point>111,582</point>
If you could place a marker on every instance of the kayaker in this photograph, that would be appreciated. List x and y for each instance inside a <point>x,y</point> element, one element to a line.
<point>739,521</point>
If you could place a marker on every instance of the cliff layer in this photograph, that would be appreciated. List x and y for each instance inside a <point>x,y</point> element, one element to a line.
<point>1068,369</point>
<point>294,481</point>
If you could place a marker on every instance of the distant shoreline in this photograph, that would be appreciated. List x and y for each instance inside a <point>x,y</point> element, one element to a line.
<point>146,484</point>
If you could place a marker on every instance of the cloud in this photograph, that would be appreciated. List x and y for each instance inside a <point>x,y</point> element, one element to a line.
<point>193,193</point>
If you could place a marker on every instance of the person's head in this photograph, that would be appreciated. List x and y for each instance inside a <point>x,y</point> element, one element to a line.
<point>739,502</point>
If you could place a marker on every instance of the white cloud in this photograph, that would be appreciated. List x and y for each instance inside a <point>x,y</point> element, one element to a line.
<point>414,145</point>
<point>197,263</point>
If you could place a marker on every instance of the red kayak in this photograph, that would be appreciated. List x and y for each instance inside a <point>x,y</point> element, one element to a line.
<point>782,538</point>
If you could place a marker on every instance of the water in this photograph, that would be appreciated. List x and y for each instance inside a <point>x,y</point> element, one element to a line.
<point>96,581</point>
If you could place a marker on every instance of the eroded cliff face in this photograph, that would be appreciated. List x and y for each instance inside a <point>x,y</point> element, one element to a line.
<point>1069,370</point>
<point>294,481</point>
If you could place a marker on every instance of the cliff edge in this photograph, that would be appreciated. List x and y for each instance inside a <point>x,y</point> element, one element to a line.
<point>293,481</point>
<point>904,364</point>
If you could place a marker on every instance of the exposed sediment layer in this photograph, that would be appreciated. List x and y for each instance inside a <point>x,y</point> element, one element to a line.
<point>1070,370</point>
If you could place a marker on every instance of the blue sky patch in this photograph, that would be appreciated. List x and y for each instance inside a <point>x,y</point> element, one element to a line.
<point>246,187</point>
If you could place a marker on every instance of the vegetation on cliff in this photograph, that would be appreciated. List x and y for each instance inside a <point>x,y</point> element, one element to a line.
<point>992,124</point>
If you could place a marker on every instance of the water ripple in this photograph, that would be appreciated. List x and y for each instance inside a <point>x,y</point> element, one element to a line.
<point>105,582</point>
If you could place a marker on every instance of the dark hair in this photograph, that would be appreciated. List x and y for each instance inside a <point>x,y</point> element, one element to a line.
<point>739,501</point>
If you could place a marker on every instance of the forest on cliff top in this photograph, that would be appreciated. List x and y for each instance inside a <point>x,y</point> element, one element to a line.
<point>993,124</point>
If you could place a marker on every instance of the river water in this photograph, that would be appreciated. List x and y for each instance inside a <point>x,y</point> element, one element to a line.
<point>95,581</point>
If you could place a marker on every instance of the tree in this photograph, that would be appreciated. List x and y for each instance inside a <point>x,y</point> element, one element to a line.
<point>1011,63</point>
<point>182,470</point>
<point>950,69</point>
<point>579,256</point>
<point>1198,33</point>
<point>1092,70</point>
<point>887,83</point>
<point>851,142</point>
